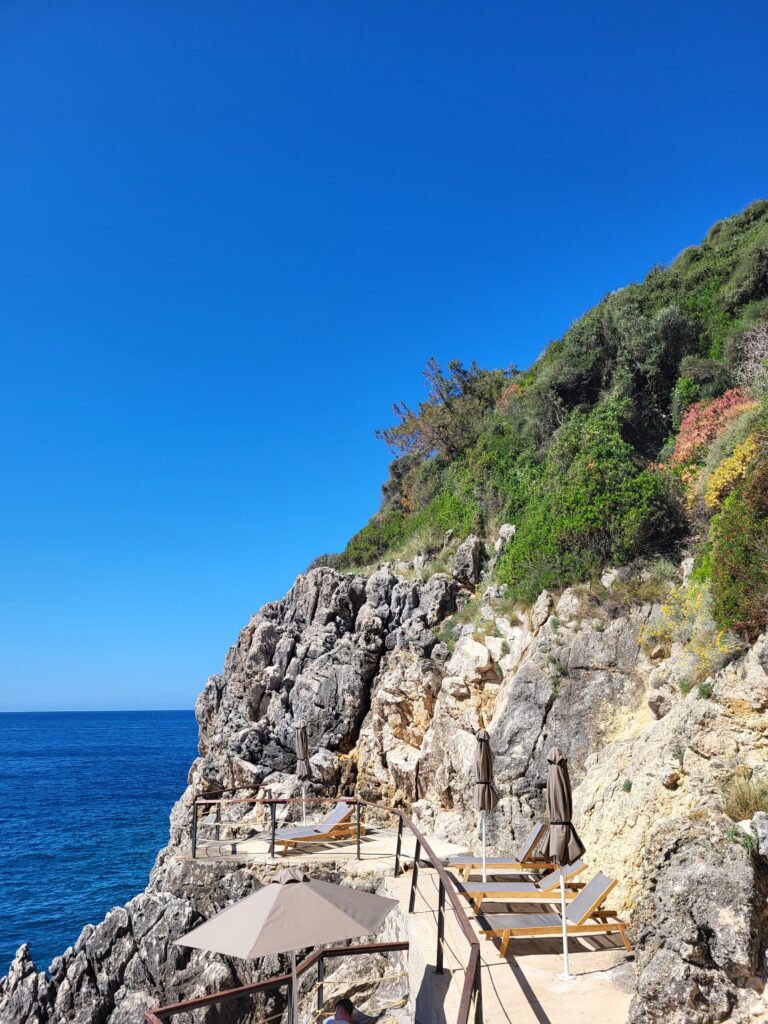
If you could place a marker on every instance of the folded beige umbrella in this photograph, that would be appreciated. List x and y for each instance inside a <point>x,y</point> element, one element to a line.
<point>563,843</point>
<point>303,767</point>
<point>485,795</point>
<point>290,913</point>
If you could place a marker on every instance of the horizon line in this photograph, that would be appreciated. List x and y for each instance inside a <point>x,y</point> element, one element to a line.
<point>96,711</point>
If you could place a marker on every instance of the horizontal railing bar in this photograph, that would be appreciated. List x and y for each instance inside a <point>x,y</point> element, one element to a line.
<point>202,800</point>
<point>157,1015</point>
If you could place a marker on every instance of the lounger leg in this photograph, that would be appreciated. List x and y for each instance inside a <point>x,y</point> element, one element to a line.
<point>504,946</point>
<point>477,904</point>
<point>624,939</point>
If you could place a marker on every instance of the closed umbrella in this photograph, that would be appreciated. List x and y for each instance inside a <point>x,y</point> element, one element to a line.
<point>290,913</point>
<point>485,795</point>
<point>563,843</point>
<point>303,768</point>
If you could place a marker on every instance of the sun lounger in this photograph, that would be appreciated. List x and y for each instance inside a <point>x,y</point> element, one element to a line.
<point>583,918</point>
<point>336,825</point>
<point>524,861</point>
<point>546,890</point>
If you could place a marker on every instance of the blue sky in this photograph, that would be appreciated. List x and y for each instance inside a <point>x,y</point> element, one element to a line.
<point>233,234</point>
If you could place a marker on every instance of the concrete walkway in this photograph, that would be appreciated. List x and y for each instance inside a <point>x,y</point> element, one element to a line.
<point>524,988</point>
<point>377,848</point>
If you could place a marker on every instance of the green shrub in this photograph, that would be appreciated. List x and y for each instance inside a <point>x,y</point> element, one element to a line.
<point>739,558</point>
<point>594,504</point>
<point>627,785</point>
<point>705,690</point>
<point>367,546</point>
<point>447,511</point>
<point>685,393</point>
<point>735,835</point>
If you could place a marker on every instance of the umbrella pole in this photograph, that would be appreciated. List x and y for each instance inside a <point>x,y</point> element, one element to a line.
<point>482,826</point>
<point>303,804</point>
<point>294,990</point>
<point>565,973</point>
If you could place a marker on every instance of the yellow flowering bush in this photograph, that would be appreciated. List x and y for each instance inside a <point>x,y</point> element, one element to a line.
<point>729,471</point>
<point>686,619</point>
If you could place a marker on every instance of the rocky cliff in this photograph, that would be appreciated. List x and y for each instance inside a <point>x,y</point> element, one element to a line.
<point>393,673</point>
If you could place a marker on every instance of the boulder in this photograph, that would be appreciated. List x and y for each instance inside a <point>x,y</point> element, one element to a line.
<point>470,660</point>
<point>541,609</point>
<point>695,926</point>
<point>506,533</point>
<point>467,562</point>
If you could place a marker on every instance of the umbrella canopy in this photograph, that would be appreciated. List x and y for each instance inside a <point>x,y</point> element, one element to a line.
<point>290,913</point>
<point>485,794</point>
<point>563,843</point>
<point>303,769</point>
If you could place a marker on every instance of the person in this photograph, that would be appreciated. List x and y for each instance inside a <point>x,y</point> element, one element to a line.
<point>344,1010</point>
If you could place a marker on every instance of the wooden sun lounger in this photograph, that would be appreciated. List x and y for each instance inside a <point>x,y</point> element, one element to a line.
<point>546,890</point>
<point>337,825</point>
<point>583,917</point>
<point>522,862</point>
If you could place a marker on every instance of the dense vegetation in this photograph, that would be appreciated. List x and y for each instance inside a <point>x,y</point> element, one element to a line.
<point>642,426</point>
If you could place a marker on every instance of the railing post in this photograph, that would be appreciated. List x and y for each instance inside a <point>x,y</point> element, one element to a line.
<point>216,833</point>
<point>414,876</point>
<point>194,828</point>
<point>273,827</point>
<point>399,846</point>
<point>478,991</point>
<point>320,984</point>
<point>357,827</point>
<point>440,927</point>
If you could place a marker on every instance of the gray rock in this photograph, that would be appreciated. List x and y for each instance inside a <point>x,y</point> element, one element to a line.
<point>760,829</point>
<point>695,925</point>
<point>467,563</point>
<point>541,609</point>
<point>506,533</point>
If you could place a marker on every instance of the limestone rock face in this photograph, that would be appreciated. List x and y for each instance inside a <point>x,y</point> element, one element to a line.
<point>468,561</point>
<point>696,925</point>
<point>393,677</point>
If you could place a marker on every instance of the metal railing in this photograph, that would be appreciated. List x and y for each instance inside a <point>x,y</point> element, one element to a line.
<point>471,992</point>
<point>163,1014</point>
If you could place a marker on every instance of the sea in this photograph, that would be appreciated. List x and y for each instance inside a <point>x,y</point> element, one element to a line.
<point>86,798</point>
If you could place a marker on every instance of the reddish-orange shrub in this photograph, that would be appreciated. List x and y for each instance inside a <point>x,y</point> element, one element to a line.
<point>703,421</point>
<point>507,396</point>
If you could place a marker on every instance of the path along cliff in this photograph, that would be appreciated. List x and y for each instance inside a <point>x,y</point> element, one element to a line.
<point>393,673</point>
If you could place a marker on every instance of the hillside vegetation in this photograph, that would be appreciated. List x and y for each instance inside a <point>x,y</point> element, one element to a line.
<point>641,428</point>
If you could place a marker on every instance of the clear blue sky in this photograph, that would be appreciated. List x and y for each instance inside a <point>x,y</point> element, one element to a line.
<point>232,234</point>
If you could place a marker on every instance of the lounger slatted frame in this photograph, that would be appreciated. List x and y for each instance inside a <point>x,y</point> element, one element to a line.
<point>324,831</point>
<point>522,862</point>
<point>545,890</point>
<point>583,918</point>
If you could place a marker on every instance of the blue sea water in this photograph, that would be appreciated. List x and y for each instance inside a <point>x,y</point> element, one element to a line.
<point>86,799</point>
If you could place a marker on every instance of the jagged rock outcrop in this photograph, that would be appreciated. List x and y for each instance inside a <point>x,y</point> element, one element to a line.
<point>393,676</point>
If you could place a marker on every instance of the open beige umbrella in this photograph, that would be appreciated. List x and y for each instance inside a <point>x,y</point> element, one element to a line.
<point>485,795</point>
<point>290,913</point>
<point>563,843</point>
<point>303,767</point>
